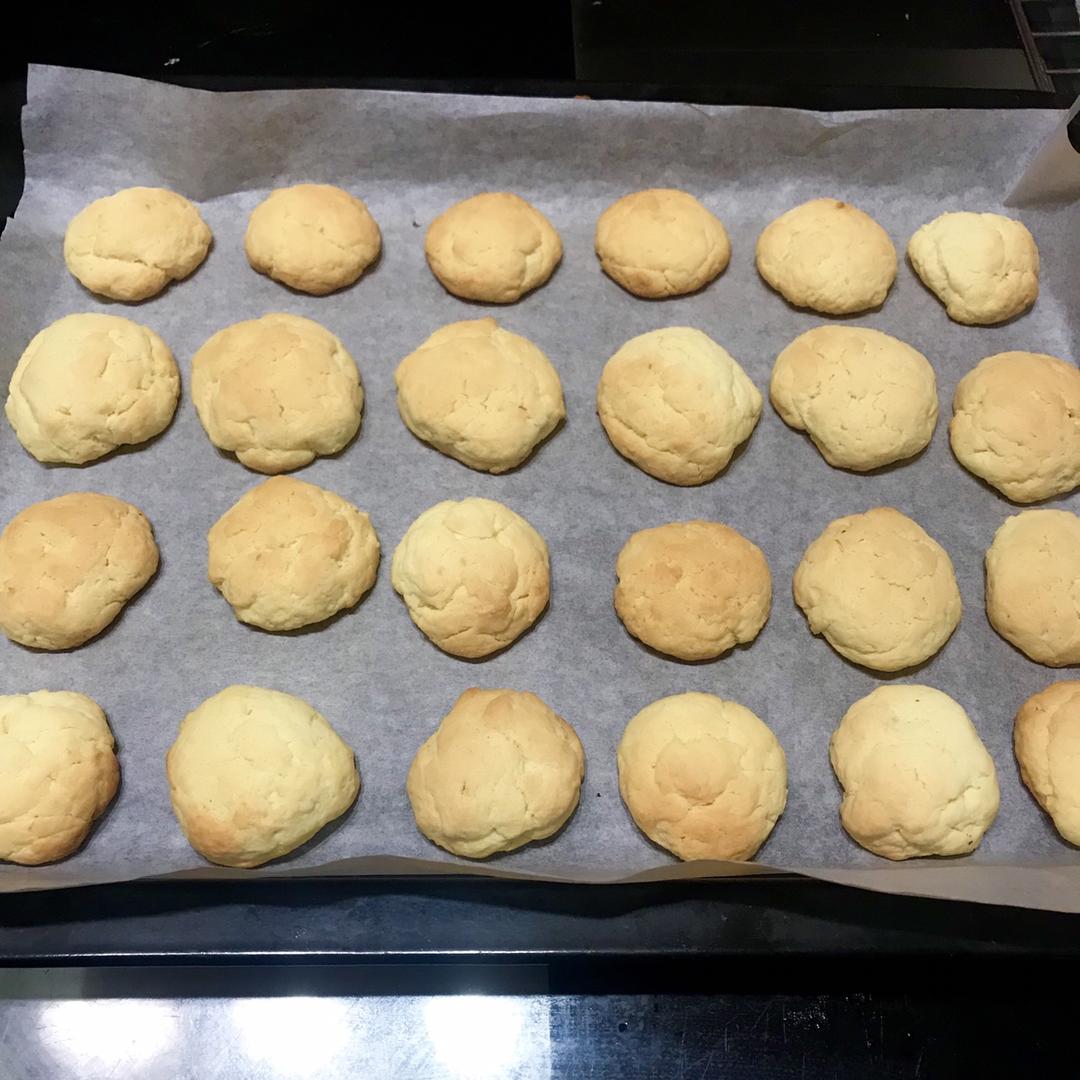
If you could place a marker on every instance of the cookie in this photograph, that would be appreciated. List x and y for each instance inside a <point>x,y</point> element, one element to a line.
<point>89,383</point>
<point>480,394</point>
<point>130,245</point>
<point>277,391</point>
<point>58,773</point>
<point>494,247</point>
<point>865,399</point>
<point>289,554</point>
<point>827,256</point>
<point>1046,738</point>
<point>69,565</point>
<point>313,237</point>
<point>702,777</point>
<point>692,589</point>
<point>1033,585</point>
<point>879,589</point>
<point>676,404</point>
<point>983,267</point>
<point>255,773</point>
<point>917,779</point>
<point>1016,424</point>
<point>473,574</point>
<point>661,242</point>
<point>500,771</point>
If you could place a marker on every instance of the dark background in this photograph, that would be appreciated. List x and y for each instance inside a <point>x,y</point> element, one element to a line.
<point>902,987</point>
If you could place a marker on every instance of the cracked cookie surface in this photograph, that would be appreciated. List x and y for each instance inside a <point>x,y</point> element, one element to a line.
<point>480,394</point>
<point>88,384</point>
<point>501,770</point>
<point>1033,585</point>
<point>865,399</point>
<point>69,565</point>
<point>828,256</point>
<point>983,267</point>
<point>661,242</point>
<point>473,574</point>
<point>58,773</point>
<point>917,779</point>
<point>703,777</point>
<point>494,247</point>
<point>879,589</point>
<point>692,589</point>
<point>1016,424</point>
<point>289,554</point>
<point>313,237</point>
<point>130,245</point>
<point>676,404</point>
<point>255,773</point>
<point>277,391</point>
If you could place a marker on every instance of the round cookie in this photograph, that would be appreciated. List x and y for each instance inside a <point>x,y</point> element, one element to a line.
<point>473,574</point>
<point>255,773</point>
<point>676,404</point>
<point>89,383</point>
<point>58,773</point>
<point>1016,424</point>
<point>692,589</point>
<point>277,391</point>
<point>1046,738</point>
<point>480,394</point>
<point>917,779</point>
<point>879,589</point>
<point>69,565</point>
<point>983,267</point>
<point>130,245</point>
<point>313,237</point>
<point>1033,585</point>
<point>865,399</point>
<point>289,554</point>
<point>661,242</point>
<point>827,256</point>
<point>494,247</point>
<point>500,771</point>
<point>702,777</point>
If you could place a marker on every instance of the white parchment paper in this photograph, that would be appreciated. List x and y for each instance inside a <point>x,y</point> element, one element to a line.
<point>371,673</point>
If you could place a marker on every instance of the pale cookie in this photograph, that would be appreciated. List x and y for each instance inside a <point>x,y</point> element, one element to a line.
<point>494,247</point>
<point>692,589</point>
<point>983,267</point>
<point>69,565</point>
<point>865,399</point>
<point>1033,585</point>
<point>500,771</point>
<point>661,242</point>
<point>130,245</point>
<point>676,404</point>
<point>289,554</point>
<point>702,777</point>
<point>58,773</point>
<point>473,574</point>
<point>1016,424</point>
<point>255,773</point>
<point>87,384</point>
<point>277,391</point>
<point>1046,738</point>
<point>879,589</point>
<point>313,237</point>
<point>917,779</point>
<point>827,256</point>
<point>480,394</point>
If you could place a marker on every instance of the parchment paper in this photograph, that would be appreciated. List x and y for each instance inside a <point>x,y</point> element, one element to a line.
<point>371,673</point>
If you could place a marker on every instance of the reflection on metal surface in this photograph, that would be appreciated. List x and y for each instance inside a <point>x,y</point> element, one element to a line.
<point>291,1036</point>
<point>88,1037</point>
<point>477,1037</point>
